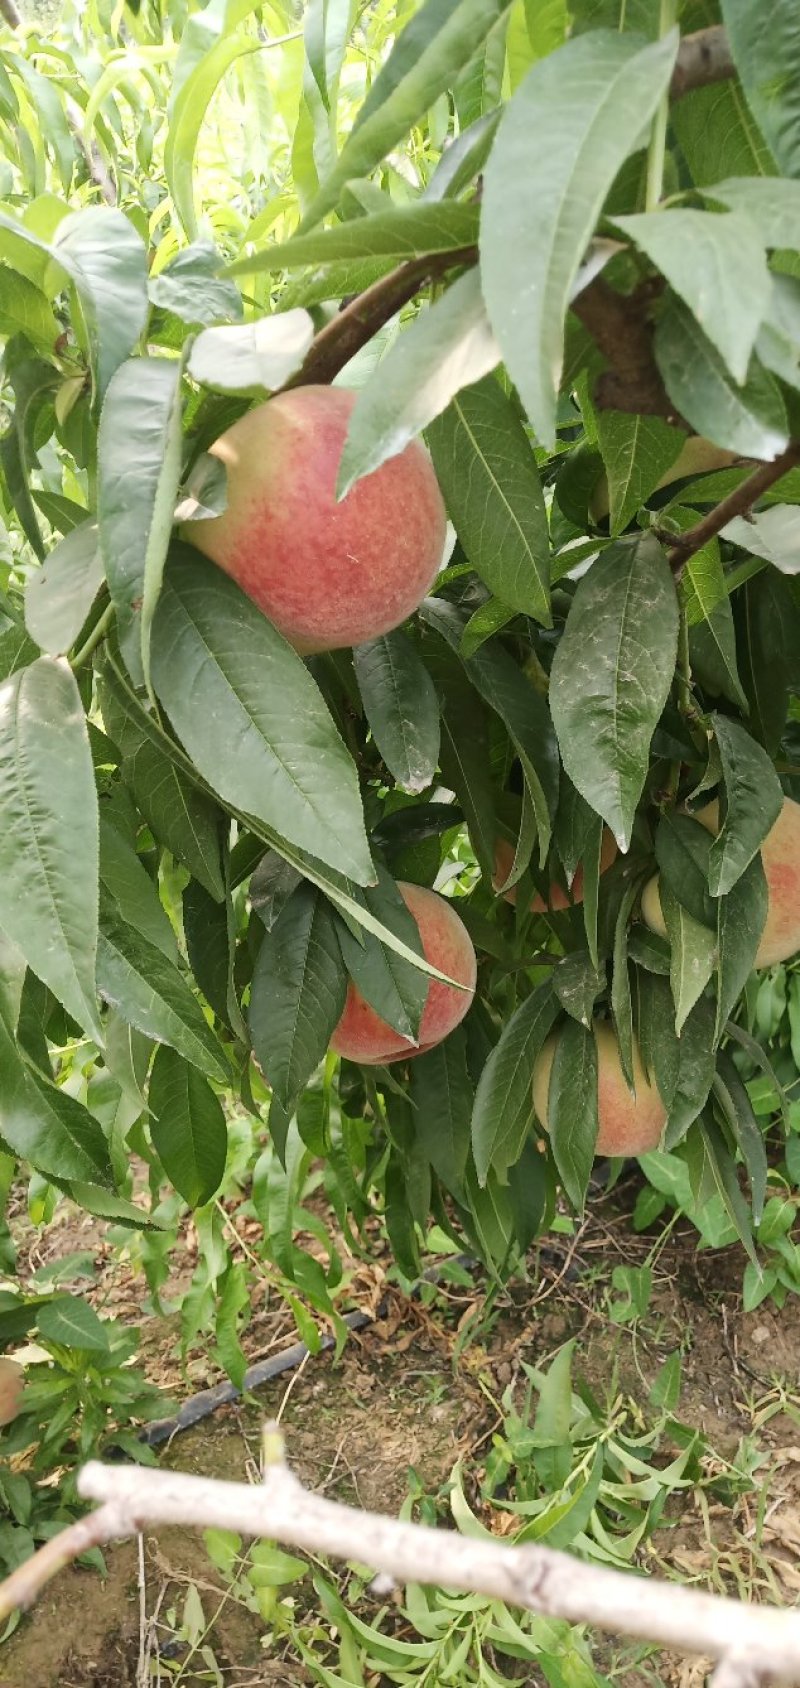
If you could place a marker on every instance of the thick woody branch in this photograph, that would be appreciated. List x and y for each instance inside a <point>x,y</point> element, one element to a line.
<point>737,503</point>
<point>703,58</point>
<point>620,327</point>
<point>535,1578</point>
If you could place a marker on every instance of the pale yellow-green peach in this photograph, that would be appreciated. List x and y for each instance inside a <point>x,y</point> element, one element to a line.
<point>558,898</point>
<point>631,1122</point>
<point>327,574</point>
<point>362,1035</point>
<point>780,854</point>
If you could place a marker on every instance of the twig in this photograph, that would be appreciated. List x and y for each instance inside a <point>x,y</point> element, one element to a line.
<point>353,327</point>
<point>703,58</point>
<point>737,503</point>
<point>536,1578</point>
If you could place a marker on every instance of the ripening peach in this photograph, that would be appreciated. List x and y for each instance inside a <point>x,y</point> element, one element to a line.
<point>631,1122</point>
<point>780,854</point>
<point>327,574</point>
<point>362,1035</point>
<point>558,898</point>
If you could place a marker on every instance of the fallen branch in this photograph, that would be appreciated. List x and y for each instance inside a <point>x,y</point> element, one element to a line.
<point>535,1578</point>
<point>684,545</point>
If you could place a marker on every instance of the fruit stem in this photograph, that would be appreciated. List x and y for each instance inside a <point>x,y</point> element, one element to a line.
<point>656,151</point>
<point>98,633</point>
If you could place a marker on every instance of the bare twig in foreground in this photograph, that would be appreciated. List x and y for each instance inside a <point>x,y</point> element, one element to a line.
<point>533,1577</point>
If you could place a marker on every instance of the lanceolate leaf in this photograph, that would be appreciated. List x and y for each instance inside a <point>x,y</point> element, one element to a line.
<point>139,460</point>
<point>740,922</point>
<point>151,994</point>
<point>225,677</point>
<point>488,474</point>
<point>693,952</point>
<point>401,707</point>
<point>447,347</point>
<point>611,676</point>
<point>394,987</point>
<point>562,140</point>
<point>748,419</point>
<point>298,994</point>
<point>753,803</point>
<point>442,1094</point>
<point>60,594</point>
<point>439,40</point>
<point>192,289</point>
<point>402,232</point>
<point>73,1322</point>
<point>772,204</point>
<point>768,62</point>
<point>188,1128</point>
<point>131,889</point>
<point>105,258</point>
<point>695,1071</point>
<point>45,1126</point>
<point>263,353</point>
<point>572,1108</point>
<point>718,266</point>
<point>636,451</point>
<point>503,1108</point>
<point>723,1170</point>
<point>48,837</point>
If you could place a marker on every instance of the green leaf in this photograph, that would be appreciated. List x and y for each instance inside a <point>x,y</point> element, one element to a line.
<point>573,1122</point>
<point>754,799</point>
<point>695,1072</point>
<point>400,233</point>
<point>188,1128</point>
<point>487,471</point>
<point>401,707</point>
<point>717,135</point>
<point>464,761</point>
<point>734,1101</point>
<point>442,1094</point>
<point>45,1125</point>
<point>637,451</point>
<point>149,992</point>
<point>749,419</point>
<point>693,953</point>
<point>298,994</point>
<point>191,287</point>
<point>683,846</point>
<point>48,839</point>
<point>717,265</point>
<point>260,354</point>
<point>193,92</point>
<point>771,204</point>
<point>139,461</point>
<point>712,638</point>
<point>611,676</point>
<point>723,1171</point>
<point>503,1108</point>
<point>768,62</point>
<point>446,347</point>
<point>553,1421</point>
<point>25,310</point>
<point>60,594</point>
<point>741,917</point>
<point>659,1046</point>
<point>16,651</point>
<point>180,816</point>
<point>769,632</point>
<point>71,1322</point>
<point>105,258</point>
<point>226,676</point>
<point>131,889</point>
<point>507,690</point>
<point>435,45</point>
<point>210,932</point>
<point>394,987</point>
<point>577,984</point>
<point>542,198</point>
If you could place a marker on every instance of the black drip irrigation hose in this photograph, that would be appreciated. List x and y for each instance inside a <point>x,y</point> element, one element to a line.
<point>207,1401</point>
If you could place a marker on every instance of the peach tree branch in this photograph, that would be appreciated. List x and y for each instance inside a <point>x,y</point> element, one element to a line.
<point>684,545</point>
<point>536,1578</point>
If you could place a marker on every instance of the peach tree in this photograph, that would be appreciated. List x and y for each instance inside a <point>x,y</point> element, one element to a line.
<point>400,630</point>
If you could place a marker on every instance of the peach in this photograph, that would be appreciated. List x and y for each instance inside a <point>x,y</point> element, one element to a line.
<point>11,1382</point>
<point>631,1122</point>
<point>780,854</point>
<point>362,1035</point>
<point>558,898</point>
<point>327,574</point>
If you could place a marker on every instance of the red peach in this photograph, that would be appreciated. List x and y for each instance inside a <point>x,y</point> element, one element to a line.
<point>362,1035</point>
<point>327,574</point>
<point>631,1123</point>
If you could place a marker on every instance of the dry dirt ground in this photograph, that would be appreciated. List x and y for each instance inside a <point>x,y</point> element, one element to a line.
<point>407,1393</point>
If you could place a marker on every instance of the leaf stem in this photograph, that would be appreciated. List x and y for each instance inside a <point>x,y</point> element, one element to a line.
<point>97,634</point>
<point>656,151</point>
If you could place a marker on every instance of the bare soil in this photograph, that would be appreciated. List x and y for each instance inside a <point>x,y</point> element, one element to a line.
<point>408,1394</point>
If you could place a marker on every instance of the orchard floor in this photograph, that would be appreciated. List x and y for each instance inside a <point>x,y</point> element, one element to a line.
<point>408,1393</point>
